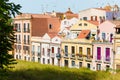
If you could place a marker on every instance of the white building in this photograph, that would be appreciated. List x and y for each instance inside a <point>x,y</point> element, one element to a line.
<point>96,14</point>
<point>46,49</point>
<point>68,23</point>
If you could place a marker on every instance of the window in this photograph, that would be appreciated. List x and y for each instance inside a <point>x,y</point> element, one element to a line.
<point>91,18</point>
<point>38,50</point>
<point>107,67</point>
<point>39,60</point>
<point>28,41</point>
<point>80,50</point>
<point>73,50</point>
<point>43,60</point>
<point>88,65</point>
<point>98,67</point>
<point>84,18</point>
<point>59,50</point>
<point>33,49</point>
<point>80,24</point>
<point>85,24</point>
<point>25,39</point>
<point>80,64</point>
<point>28,27</point>
<point>88,51</point>
<point>98,53</point>
<point>73,63</point>
<point>48,61</point>
<point>107,54</point>
<point>103,36</point>
<point>24,27</point>
<point>65,22</point>
<point>52,49</point>
<point>43,51</point>
<point>33,59</point>
<point>50,26</point>
<point>18,28</point>
<point>66,63</point>
<point>111,37</point>
<point>66,49</point>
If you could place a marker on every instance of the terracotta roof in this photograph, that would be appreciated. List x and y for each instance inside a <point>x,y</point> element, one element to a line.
<point>40,26</point>
<point>83,34</point>
<point>102,9</point>
<point>71,15</point>
<point>93,22</point>
<point>52,34</point>
<point>69,11</point>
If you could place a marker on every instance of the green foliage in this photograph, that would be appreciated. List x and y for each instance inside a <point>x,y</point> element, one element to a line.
<point>7,10</point>
<point>35,71</point>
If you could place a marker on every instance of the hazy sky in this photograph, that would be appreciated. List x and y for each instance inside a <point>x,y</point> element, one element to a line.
<point>39,6</point>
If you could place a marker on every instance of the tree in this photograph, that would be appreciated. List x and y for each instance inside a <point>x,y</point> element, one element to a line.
<point>7,11</point>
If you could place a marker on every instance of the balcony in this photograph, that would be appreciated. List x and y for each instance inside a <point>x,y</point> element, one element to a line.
<point>72,56</point>
<point>52,55</point>
<point>66,55</point>
<point>26,30</point>
<point>33,53</point>
<point>19,41</point>
<point>107,60</point>
<point>18,31</point>
<point>38,54</point>
<point>98,59</point>
<point>88,58</point>
<point>48,54</point>
<point>58,55</point>
<point>79,57</point>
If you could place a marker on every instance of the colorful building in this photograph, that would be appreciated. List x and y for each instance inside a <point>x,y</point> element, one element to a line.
<point>102,55</point>
<point>85,25</point>
<point>28,25</point>
<point>76,53</point>
<point>46,49</point>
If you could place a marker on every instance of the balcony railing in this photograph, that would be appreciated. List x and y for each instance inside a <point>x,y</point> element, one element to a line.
<point>79,57</point>
<point>107,60</point>
<point>58,55</point>
<point>26,30</point>
<point>72,56</point>
<point>48,54</point>
<point>88,58</point>
<point>52,55</point>
<point>18,31</point>
<point>33,53</point>
<point>98,59</point>
<point>66,55</point>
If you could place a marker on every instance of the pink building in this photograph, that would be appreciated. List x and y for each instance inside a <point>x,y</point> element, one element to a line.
<point>107,31</point>
<point>102,55</point>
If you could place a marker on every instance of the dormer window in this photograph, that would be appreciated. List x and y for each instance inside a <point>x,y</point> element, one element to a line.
<point>65,22</point>
<point>50,26</point>
<point>84,18</point>
<point>80,24</point>
<point>85,24</point>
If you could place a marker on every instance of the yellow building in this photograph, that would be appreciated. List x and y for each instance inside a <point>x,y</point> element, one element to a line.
<point>85,25</point>
<point>77,53</point>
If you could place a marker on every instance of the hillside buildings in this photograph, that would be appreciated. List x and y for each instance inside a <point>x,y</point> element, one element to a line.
<point>88,39</point>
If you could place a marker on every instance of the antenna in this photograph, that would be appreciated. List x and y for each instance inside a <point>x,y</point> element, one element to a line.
<point>42,8</point>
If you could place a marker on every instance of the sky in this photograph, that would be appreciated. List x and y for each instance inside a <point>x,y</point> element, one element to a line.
<point>41,6</point>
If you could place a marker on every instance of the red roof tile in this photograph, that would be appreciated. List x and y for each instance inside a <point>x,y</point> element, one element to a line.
<point>83,34</point>
<point>93,22</point>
